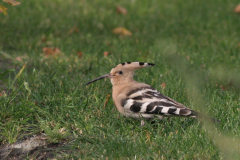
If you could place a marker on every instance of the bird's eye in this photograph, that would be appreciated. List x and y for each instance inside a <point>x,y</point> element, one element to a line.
<point>120,72</point>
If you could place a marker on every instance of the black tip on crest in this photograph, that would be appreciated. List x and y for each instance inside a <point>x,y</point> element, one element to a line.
<point>123,63</point>
<point>151,64</point>
<point>141,63</point>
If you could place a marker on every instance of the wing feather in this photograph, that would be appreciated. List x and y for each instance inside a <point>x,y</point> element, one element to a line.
<point>148,100</point>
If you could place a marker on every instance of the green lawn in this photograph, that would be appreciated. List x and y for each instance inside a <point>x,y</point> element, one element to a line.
<point>194,45</point>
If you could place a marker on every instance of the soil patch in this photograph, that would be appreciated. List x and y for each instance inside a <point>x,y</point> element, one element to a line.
<point>35,147</point>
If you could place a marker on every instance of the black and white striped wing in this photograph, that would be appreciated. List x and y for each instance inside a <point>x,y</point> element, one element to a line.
<point>148,100</point>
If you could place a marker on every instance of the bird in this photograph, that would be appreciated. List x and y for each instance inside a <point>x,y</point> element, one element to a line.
<point>141,101</point>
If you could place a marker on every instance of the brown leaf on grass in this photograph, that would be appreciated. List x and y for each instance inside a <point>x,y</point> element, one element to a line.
<point>121,10</point>
<point>36,103</point>
<point>3,94</point>
<point>188,58</point>
<point>122,31</point>
<point>52,123</point>
<point>222,87</point>
<point>73,30</point>
<point>43,38</point>
<point>106,53</point>
<point>163,85</point>
<point>79,55</point>
<point>51,52</point>
<point>107,99</point>
<point>3,10</point>
<point>148,137</point>
<point>12,2</point>
<point>80,131</point>
<point>19,59</point>
<point>237,8</point>
<point>62,130</point>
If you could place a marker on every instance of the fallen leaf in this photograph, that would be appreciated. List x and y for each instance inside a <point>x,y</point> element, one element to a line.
<point>121,10</point>
<point>43,38</point>
<point>148,137</point>
<point>3,94</point>
<point>62,130</point>
<point>163,85</point>
<point>73,127</point>
<point>36,103</point>
<point>80,131</point>
<point>237,8</point>
<point>122,31</point>
<point>12,2</point>
<point>106,53</point>
<point>126,32</point>
<point>223,87</point>
<point>107,99</point>
<point>79,55</point>
<point>3,10</point>
<point>73,30</point>
<point>19,59</point>
<point>52,123</point>
<point>188,58</point>
<point>50,52</point>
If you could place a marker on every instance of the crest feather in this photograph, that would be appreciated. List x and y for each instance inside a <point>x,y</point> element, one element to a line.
<point>133,65</point>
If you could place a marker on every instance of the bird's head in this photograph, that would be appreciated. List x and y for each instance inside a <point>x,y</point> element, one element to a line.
<point>123,73</point>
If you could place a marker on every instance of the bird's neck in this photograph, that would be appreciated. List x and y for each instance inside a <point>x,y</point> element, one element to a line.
<point>119,87</point>
<point>121,81</point>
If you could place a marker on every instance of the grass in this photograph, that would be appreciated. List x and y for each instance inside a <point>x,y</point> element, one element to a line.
<point>194,45</point>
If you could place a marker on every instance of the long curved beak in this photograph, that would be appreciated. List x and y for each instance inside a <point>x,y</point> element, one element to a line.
<point>102,77</point>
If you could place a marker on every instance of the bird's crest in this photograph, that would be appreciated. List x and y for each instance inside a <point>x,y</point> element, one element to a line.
<point>132,65</point>
<point>123,73</point>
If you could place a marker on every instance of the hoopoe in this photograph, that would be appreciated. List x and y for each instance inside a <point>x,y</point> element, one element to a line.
<point>139,100</point>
